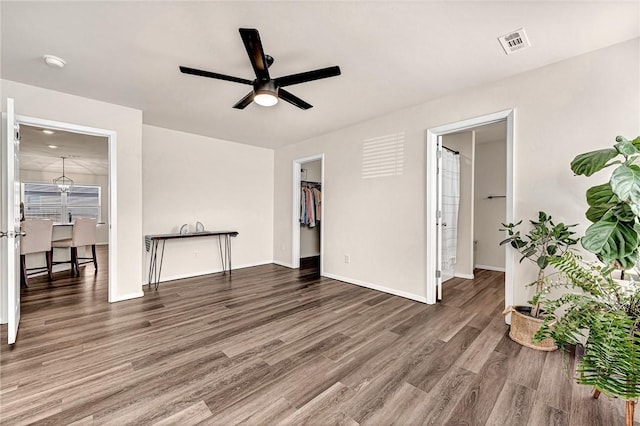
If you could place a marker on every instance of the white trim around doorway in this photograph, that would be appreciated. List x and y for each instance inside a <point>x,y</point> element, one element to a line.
<point>112,140</point>
<point>431,170</point>
<point>295,212</point>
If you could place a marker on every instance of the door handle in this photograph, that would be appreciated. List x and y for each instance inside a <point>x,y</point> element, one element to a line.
<point>12,234</point>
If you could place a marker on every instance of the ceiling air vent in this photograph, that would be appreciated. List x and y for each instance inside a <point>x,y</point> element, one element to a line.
<point>514,41</point>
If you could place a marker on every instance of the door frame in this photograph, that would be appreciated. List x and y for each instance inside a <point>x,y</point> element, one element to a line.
<point>431,195</point>
<point>295,211</point>
<point>112,200</point>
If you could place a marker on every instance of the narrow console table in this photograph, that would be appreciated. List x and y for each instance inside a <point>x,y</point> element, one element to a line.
<point>156,242</point>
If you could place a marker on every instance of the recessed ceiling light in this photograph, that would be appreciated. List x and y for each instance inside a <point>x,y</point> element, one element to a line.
<point>54,61</point>
<point>47,131</point>
<point>52,146</point>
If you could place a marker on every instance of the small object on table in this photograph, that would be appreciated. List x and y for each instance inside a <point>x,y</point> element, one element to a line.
<point>199,227</point>
<point>184,229</point>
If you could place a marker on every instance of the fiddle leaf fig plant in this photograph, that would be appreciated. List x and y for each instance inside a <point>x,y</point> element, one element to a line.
<point>614,206</point>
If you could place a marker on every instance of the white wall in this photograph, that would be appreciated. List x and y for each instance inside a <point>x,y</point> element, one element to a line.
<point>561,110</point>
<point>224,185</point>
<point>41,103</point>
<point>310,237</point>
<point>464,143</point>
<point>490,214</point>
<point>79,179</point>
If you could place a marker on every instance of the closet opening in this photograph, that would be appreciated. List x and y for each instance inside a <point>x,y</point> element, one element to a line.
<point>308,215</point>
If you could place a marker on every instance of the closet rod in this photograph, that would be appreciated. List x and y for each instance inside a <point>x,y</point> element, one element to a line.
<point>309,182</point>
<point>451,150</point>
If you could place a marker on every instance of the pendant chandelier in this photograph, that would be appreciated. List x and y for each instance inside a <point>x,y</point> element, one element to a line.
<point>64,183</point>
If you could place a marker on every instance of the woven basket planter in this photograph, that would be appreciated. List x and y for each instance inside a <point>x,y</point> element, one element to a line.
<point>524,327</point>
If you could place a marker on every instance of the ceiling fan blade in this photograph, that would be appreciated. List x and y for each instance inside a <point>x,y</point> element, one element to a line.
<point>303,77</point>
<point>293,100</point>
<point>201,73</point>
<point>251,40</point>
<point>242,103</point>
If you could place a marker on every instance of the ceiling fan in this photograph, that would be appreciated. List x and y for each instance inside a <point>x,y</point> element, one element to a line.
<point>266,90</point>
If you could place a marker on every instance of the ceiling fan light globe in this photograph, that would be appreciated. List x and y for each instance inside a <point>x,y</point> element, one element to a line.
<point>265,99</point>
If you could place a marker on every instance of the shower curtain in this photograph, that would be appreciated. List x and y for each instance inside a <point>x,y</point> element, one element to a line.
<point>450,205</point>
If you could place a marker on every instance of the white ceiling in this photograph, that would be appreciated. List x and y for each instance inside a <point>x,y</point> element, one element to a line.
<point>86,154</point>
<point>392,55</point>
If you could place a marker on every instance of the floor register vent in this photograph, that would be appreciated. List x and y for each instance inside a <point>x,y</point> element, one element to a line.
<point>514,41</point>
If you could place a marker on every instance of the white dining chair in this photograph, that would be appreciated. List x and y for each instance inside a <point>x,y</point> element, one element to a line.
<point>37,239</point>
<point>83,234</point>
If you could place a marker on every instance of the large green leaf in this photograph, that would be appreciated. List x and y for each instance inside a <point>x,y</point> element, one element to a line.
<point>601,195</point>
<point>611,239</point>
<point>626,148</point>
<point>635,142</point>
<point>623,212</point>
<point>625,182</point>
<point>594,214</point>
<point>591,162</point>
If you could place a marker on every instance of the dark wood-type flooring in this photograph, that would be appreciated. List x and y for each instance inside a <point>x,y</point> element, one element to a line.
<point>279,346</point>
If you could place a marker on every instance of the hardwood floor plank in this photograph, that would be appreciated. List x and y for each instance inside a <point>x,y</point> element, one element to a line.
<point>446,394</point>
<point>408,406</point>
<point>432,368</point>
<point>479,399</point>
<point>189,416</point>
<point>527,367</point>
<point>481,349</point>
<point>545,415</point>
<point>556,384</point>
<point>321,409</point>
<point>271,415</point>
<point>513,405</point>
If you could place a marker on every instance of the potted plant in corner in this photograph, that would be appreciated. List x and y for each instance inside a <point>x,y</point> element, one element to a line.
<point>544,241</point>
<point>600,313</point>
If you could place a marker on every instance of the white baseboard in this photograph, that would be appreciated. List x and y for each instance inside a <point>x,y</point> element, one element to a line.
<point>491,268</point>
<point>251,265</point>
<point>378,288</point>
<point>127,297</point>
<point>206,272</point>
<point>286,265</point>
<point>464,276</point>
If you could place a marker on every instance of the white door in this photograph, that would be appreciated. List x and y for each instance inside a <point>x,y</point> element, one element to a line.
<point>439,220</point>
<point>11,222</point>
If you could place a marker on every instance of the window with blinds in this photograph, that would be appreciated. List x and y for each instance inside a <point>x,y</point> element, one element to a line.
<point>45,201</point>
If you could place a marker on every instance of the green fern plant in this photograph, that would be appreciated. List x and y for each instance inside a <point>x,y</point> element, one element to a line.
<point>602,314</point>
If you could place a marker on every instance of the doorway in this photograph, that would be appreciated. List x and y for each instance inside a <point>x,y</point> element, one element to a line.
<point>457,249</point>
<point>473,200</point>
<point>82,160</point>
<point>11,178</point>
<point>308,214</point>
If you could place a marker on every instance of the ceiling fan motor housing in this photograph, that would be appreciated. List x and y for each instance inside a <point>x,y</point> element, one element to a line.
<point>265,92</point>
